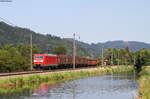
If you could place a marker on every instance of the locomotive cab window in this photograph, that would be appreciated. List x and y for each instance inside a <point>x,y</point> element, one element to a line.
<point>38,57</point>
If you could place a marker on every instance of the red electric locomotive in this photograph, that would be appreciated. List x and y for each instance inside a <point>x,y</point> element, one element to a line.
<point>50,61</point>
<point>45,60</point>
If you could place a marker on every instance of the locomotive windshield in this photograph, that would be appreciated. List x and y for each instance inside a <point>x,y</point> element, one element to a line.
<point>38,57</point>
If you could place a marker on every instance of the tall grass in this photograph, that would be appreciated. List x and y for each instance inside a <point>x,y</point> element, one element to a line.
<point>144,83</point>
<point>53,78</point>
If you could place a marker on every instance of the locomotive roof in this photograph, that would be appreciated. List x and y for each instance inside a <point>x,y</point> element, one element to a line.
<point>51,55</point>
<point>45,54</point>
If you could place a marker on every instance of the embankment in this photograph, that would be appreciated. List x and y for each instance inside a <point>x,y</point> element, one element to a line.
<point>57,77</point>
<point>144,83</point>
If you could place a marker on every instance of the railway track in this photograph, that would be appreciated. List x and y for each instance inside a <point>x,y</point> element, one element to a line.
<point>19,73</point>
<point>43,71</point>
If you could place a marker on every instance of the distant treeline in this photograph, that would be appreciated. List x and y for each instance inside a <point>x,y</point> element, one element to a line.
<point>17,58</point>
<point>125,57</point>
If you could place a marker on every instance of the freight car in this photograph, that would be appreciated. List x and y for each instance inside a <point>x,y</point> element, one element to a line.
<point>49,61</point>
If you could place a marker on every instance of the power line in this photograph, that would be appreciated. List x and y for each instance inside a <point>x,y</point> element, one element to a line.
<point>7,21</point>
<point>5,0</point>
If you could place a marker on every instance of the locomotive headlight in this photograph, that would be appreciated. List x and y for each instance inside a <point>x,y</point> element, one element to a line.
<point>38,61</point>
<point>35,60</point>
<point>41,61</point>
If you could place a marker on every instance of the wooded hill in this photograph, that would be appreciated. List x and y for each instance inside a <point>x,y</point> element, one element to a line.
<point>94,49</point>
<point>16,35</point>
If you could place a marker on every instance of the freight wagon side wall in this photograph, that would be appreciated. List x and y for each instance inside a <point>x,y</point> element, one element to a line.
<point>68,60</point>
<point>51,61</point>
<point>64,60</point>
<point>92,62</point>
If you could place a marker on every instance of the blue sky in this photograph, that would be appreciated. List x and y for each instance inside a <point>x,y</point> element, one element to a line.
<point>93,20</point>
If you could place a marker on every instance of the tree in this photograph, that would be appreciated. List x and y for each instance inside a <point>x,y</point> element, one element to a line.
<point>5,61</point>
<point>59,50</point>
<point>119,56</point>
<point>14,59</point>
<point>143,57</point>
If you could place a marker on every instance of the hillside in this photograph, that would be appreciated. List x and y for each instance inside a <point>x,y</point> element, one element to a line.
<point>16,35</point>
<point>94,49</point>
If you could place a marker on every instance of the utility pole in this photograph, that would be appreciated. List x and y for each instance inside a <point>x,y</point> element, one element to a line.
<point>74,53</point>
<point>112,63</point>
<point>118,57</point>
<point>122,60</point>
<point>102,56</point>
<point>31,51</point>
<point>134,60</point>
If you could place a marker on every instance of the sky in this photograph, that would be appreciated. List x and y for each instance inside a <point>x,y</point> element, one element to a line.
<point>93,20</point>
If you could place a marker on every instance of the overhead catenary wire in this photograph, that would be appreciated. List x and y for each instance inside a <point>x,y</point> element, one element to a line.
<point>7,21</point>
<point>5,0</point>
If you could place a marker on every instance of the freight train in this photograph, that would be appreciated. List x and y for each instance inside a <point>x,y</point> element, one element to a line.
<point>50,61</point>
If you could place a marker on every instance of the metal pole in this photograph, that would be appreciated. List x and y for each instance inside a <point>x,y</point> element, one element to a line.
<point>74,51</point>
<point>102,57</point>
<point>118,58</point>
<point>134,59</point>
<point>31,50</point>
<point>112,63</point>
